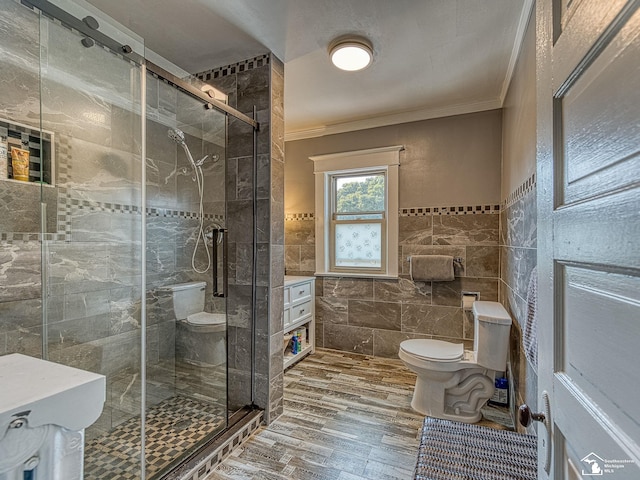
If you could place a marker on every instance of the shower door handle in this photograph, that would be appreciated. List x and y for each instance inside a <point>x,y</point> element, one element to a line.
<point>225,270</point>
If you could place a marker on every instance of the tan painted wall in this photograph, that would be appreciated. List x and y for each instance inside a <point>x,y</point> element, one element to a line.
<point>519,119</point>
<point>449,161</point>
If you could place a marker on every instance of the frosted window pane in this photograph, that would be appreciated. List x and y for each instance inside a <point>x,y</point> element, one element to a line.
<point>358,245</point>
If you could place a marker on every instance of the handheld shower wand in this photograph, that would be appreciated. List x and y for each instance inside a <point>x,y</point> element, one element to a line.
<point>178,136</point>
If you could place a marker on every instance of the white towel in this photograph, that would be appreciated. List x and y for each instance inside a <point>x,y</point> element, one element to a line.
<point>530,330</point>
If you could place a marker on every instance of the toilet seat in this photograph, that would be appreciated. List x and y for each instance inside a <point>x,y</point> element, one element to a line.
<point>205,318</point>
<point>433,350</point>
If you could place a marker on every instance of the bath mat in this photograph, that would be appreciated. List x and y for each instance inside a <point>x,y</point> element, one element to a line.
<point>459,451</point>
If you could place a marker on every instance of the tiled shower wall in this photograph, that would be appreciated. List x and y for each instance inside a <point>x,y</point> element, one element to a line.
<point>371,316</point>
<point>258,81</point>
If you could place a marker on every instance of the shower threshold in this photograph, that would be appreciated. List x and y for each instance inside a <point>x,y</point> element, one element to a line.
<point>241,425</point>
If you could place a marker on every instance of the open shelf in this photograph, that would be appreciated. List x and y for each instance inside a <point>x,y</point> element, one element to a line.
<point>298,323</point>
<point>290,359</point>
<point>299,314</point>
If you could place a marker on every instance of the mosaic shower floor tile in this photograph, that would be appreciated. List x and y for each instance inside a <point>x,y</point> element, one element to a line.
<point>174,427</point>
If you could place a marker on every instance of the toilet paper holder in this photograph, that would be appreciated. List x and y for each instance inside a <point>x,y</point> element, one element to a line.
<point>468,298</point>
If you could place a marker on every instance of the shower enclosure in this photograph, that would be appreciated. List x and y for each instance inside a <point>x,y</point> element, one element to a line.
<point>112,212</point>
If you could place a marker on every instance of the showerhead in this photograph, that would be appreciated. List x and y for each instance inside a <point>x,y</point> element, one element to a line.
<point>177,136</point>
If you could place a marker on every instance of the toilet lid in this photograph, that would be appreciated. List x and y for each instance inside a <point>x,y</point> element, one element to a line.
<point>436,350</point>
<point>204,318</point>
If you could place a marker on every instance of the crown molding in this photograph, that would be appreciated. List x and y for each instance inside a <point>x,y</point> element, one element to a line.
<point>527,10</point>
<point>393,119</point>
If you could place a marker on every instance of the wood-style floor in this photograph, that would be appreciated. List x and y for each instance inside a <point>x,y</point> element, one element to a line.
<point>346,417</point>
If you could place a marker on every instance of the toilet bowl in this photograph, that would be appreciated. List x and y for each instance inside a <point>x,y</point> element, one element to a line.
<point>200,335</point>
<point>452,383</point>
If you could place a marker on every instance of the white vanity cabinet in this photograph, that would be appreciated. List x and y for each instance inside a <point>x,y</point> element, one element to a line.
<point>299,316</point>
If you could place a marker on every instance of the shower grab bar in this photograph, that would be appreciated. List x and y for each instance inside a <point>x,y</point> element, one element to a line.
<point>225,268</point>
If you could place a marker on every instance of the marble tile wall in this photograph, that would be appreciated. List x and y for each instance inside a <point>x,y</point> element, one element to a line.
<point>256,82</point>
<point>518,258</point>
<point>373,316</point>
<point>20,255</point>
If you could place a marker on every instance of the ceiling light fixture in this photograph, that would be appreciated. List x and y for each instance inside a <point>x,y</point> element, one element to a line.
<point>351,53</point>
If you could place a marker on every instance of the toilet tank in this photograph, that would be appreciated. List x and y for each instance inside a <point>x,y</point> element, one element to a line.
<point>491,343</point>
<point>188,298</point>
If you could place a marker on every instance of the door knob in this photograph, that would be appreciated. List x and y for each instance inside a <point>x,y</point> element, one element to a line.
<point>526,417</point>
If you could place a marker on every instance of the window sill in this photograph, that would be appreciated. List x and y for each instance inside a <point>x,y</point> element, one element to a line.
<point>357,275</point>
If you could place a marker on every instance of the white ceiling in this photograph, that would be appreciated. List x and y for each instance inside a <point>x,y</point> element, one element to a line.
<point>432,57</point>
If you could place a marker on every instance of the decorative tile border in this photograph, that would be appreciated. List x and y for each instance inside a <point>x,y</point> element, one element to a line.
<point>76,204</point>
<point>522,191</point>
<point>418,212</point>
<point>459,210</point>
<point>19,237</point>
<point>204,468</point>
<point>64,156</point>
<point>227,70</point>
<point>168,213</point>
<point>292,217</point>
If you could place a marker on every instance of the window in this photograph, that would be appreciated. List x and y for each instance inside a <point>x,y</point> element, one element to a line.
<point>358,217</point>
<point>357,212</point>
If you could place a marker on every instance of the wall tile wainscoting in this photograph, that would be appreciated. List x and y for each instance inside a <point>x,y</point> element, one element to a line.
<point>372,316</point>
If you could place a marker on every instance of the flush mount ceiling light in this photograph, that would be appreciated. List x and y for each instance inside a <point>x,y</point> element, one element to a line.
<point>351,53</point>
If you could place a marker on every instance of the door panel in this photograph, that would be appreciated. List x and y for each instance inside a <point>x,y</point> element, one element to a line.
<point>599,311</point>
<point>598,220</point>
<point>589,255</point>
<point>583,429</point>
<point>577,30</point>
<point>599,114</point>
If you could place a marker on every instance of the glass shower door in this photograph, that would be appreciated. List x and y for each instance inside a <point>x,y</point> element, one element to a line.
<point>92,272</point>
<point>186,349</point>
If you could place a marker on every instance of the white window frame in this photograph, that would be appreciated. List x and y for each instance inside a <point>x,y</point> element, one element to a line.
<point>375,160</point>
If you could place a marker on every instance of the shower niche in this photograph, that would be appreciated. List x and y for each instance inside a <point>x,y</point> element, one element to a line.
<point>34,146</point>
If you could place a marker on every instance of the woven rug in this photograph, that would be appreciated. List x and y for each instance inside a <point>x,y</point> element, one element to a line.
<point>459,451</point>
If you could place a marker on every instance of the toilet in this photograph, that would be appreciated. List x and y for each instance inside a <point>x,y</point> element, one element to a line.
<point>452,383</point>
<point>200,336</point>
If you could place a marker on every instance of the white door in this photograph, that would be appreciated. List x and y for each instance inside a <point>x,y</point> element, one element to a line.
<point>588,96</point>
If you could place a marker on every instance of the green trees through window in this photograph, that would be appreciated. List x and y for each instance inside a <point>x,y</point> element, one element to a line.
<point>360,194</point>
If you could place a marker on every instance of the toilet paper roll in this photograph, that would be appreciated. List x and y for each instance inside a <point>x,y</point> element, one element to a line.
<point>467,302</point>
